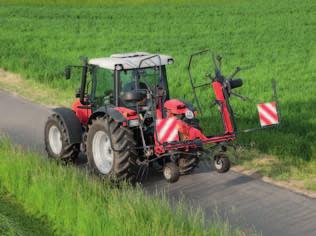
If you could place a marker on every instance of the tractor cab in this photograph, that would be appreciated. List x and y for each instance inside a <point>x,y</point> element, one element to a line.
<point>123,79</point>
<point>128,80</point>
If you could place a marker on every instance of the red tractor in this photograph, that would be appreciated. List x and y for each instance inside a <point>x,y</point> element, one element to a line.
<point>124,119</point>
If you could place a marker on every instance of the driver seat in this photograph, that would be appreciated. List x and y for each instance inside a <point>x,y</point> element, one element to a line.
<point>132,87</point>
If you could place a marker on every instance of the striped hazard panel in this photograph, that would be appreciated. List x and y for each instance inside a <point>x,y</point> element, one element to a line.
<point>268,114</point>
<point>167,130</point>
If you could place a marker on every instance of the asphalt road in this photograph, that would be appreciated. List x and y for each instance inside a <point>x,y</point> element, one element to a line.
<point>246,202</point>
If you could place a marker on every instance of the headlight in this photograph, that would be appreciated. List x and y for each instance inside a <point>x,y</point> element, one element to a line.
<point>189,114</point>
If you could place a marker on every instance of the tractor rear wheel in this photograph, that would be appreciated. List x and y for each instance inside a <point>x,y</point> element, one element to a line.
<point>103,160</point>
<point>57,142</point>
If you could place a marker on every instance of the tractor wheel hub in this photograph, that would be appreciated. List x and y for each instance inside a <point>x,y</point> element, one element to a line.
<point>218,163</point>
<point>54,139</point>
<point>167,173</point>
<point>102,152</point>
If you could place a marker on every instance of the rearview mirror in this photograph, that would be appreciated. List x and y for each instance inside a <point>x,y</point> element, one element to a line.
<point>67,72</point>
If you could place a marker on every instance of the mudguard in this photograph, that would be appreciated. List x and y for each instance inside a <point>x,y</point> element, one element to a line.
<point>72,124</point>
<point>116,115</point>
<point>112,112</point>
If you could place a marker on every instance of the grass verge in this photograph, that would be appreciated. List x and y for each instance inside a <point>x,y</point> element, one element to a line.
<point>14,220</point>
<point>76,203</point>
<point>36,92</point>
<point>300,176</point>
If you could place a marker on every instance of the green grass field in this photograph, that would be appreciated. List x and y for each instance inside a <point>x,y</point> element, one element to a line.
<point>278,38</point>
<point>68,201</point>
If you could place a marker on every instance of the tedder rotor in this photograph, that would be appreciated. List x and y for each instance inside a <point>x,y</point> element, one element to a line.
<point>124,119</point>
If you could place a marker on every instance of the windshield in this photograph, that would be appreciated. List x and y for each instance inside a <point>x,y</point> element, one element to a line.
<point>143,80</point>
<point>139,79</point>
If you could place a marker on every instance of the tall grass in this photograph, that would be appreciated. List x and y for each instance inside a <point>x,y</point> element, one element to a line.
<point>14,220</point>
<point>78,204</point>
<point>276,37</point>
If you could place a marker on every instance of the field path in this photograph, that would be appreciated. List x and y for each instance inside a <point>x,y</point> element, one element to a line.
<point>246,202</point>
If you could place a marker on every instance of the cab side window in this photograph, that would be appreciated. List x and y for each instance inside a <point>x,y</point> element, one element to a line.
<point>103,87</point>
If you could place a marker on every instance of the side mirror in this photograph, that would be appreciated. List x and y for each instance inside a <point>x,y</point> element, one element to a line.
<point>67,72</point>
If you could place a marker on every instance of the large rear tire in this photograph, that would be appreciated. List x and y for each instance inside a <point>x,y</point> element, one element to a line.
<point>57,142</point>
<point>103,160</point>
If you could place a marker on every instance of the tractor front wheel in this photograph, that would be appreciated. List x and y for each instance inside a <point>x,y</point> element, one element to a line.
<point>221,163</point>
<point>119,164</point>
<point>57,141</point>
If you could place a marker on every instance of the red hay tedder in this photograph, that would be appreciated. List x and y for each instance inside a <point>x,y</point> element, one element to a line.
<point>125,121</point>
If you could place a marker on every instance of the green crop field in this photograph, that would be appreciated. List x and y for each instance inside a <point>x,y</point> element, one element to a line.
<point>38,38</point>
<point>59,200</point>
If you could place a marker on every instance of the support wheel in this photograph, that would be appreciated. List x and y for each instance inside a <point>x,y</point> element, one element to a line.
<point>102,159</point>
<point>221,163</point>
<point>171,172</point>
<point>57,142</point>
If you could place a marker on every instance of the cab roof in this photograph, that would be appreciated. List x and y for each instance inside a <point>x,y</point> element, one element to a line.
<point>132,60</point>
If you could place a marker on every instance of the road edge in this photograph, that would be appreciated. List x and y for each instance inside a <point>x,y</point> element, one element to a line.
<point>282,184</point>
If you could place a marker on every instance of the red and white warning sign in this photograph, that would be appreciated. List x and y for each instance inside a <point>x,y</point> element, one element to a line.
<point>268,114</point>
<point>167,130</point>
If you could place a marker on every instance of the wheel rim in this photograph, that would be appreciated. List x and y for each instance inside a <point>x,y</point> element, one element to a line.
<point>102,152</point>
<point>167,173</point>
<point>218,163</point>
<point>54,138</point>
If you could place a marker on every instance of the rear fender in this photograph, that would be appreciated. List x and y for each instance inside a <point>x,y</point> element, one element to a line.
<point>115,114</point>
<point>72,124</point>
